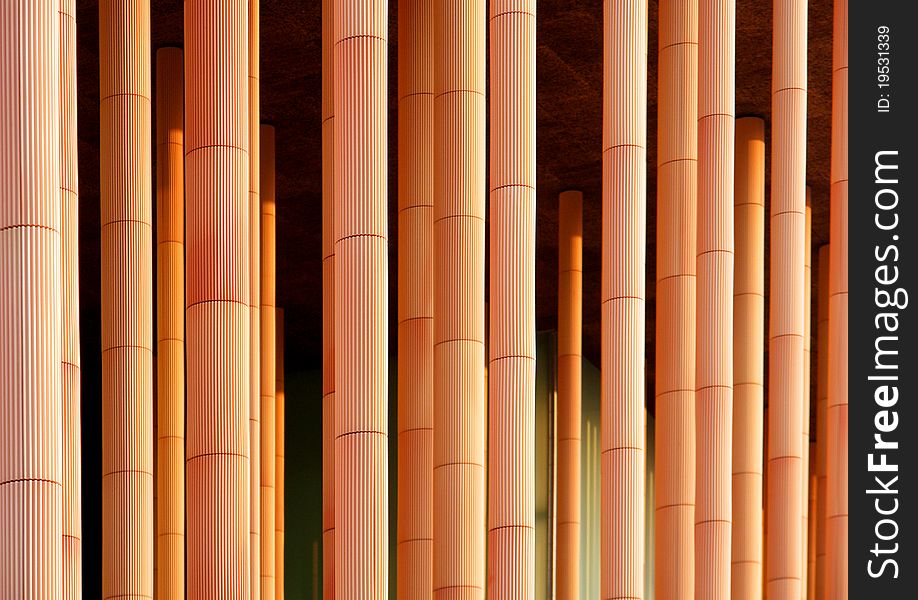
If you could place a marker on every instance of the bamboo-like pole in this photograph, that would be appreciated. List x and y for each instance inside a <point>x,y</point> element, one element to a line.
<point>255,360</point>
<point>279,525</point>
<point>822,396</point>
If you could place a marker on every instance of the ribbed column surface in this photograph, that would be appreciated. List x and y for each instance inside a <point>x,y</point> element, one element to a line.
<point>255,318</point>
<point>217,300</point>
<point>805,405</point>
<point>715,260</point>
<point>511,323</point>
<point>624,247</point>
<point>361,300</point>
<point>748,359</point>
<point>268,348</point>
<point>126,189</point>
<point>570,380</point>
<point>677,189</point>
<point>811,526</point>
<point>170,329</point>
<point>31,324</point>
<point>415,299</point>
<point>822,396</point>
<point>279,454</point>
<point>786,307</point>
<point>837,404</point>
<point>460,444</point>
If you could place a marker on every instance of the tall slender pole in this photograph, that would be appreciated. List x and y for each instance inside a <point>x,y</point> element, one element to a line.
<point>805,412</point>
<point>279,526</point>
<point>255,259</point>
<point>822,396</point>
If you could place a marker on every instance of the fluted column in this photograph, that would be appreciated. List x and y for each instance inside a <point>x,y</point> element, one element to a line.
<point>31,324</point>
<point>786,308</point>
<point>805,405</point>
<point>459,267</point>
<point>677,187</point>
<point>822,395</point>
<point>217,300</point>
<point>127,298</point>
<point>279,454</point>
<point>811,526</point>
<point>170,331</point>
<point>624,210</point>
<point>748,359</point>
<point>415,299</point>
<point>570,364</point>
<point>361,300</point>
<point>255,259</point>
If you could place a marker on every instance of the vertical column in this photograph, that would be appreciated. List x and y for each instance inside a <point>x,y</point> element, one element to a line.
<point>714,354</point>
<point>361,300</point>
<point>415,299</point>
<point>268,347</point>
<point>677,188</point>
<point>624,214</point>
<point>217,300</point>
<point>170,333</point>
<point>748,358</point>
<point>786,308</point>
<point>31,324</point>
<point>459,267</point>
<point>127,298</point>
<point>822,396</point>
<point>511,367</point>
<point>570,363</point>
<point>805,412</point>
<point>279,454</point>
<point>255,359</point>
<point>811,526</point>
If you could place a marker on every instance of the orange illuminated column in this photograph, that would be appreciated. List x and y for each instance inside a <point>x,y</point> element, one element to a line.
<point>811,527</point>
<point>361,306</point>
<point>624,209</point>
<point>748,358</point>
<point>511,323</point>
<point>837,405</point>
<point>459,254</point>
<point>31,324</point>
<point>255,360</point>
<point>570,358</point>
<point>217,299</point>
<point>268,348</point>
<point>677,140</point>
<point>279,455</point>
<point>714,343</point>
<point>784,503</point>
<point>822,393</point>
<point>805,412</point>
<point>127,298</point>
<point>415,299</point>
<point>170,331</point>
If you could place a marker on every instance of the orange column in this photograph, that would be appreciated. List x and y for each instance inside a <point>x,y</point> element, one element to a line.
<point>511,323</point>
<point>570,359</point>
<point>127,298</point>
<point>415,299</point>
<point>624,209</point>
<point>361,306</point>
<point>279,455</point>
<point>268,347</point>
<point>786,322</point>
<point>255,359</point>
<point>217,300</point>
<point>748,358</point>
<point>170,332</point>
<point>811,526</point>
<point>837,405</point>
<point>822,394</point>
<point>31,324</point>
<point>805,413</point>
<point>677,187</point>
<point>459,267</point>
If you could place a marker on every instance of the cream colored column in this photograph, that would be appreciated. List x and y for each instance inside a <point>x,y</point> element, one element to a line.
<point>805,412</point>
<point>786,308</point>
<point>623,291</point>
<point>31,323</point>
<point>415,299</point>
<point>570,363</point>
<point>748,359</point>
<point>127,298</point>
<point>361,300</point>
<point>170,331</point>
<point>822,395</point>
<point>459,327</point>
<point>677,143</point>
<point>218,326</point>
<point>255,360</point>
<point>279,526</point>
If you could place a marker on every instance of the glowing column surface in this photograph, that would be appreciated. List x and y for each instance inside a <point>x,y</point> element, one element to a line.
<point>805,412</point>
<point>459,267</point>
<point>822,396</point>
<point>127,298</point>
<point>217,299</point>
<point>748,358</point>
<point>570,359</point>
<point>837,406</point>
<point>677,187</point>
<point>415,299</point>
<point>279,454</point>
<point>170,334</point>
<point>714,342</point>
<point>786,309</point>
<point>624,215</point>
<point>256,347</point>
<point>361,300</point>
<point>31,324</point>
